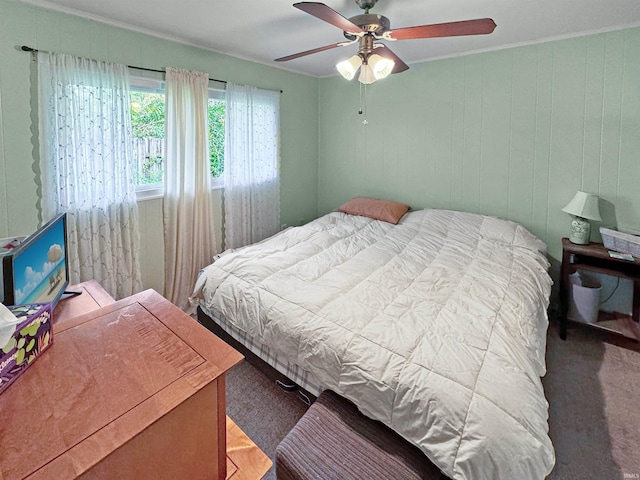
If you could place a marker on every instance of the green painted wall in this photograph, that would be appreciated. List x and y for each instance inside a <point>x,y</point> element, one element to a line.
<point>512,133</point>
<point>22,24</point>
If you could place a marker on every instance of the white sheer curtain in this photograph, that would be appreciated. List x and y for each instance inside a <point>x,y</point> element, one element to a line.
<point>251,176</point>
<point>189,235</point>
<point>87,168</point>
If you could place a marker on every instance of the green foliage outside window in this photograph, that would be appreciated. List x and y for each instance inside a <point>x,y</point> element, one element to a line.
<point>152,171</point>
<point>147,114</point>
<point>216,136</point>
<point>148,121</point>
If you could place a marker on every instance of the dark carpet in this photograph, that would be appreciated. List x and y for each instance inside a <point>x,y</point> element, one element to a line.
<point>261,409</point>
<point>593,388</point>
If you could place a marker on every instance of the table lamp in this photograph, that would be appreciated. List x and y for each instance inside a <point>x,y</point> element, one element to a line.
<point>583,207</point>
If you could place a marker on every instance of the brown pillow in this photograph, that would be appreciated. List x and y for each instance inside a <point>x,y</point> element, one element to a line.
<point>384,210</point>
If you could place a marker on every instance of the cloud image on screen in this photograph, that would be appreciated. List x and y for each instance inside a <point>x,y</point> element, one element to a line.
<point>41,270</point>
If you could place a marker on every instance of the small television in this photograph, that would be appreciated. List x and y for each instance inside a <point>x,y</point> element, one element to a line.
<point>36,270</point>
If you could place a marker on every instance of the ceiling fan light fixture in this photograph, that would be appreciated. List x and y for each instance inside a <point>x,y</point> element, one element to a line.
<point>368,27</point>
<point>381,67</point>
<point>348,68</point>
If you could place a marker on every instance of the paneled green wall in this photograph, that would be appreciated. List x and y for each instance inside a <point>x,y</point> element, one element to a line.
<point>512,133</point>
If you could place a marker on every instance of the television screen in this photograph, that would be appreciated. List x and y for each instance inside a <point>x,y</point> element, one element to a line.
<point>36,271</point>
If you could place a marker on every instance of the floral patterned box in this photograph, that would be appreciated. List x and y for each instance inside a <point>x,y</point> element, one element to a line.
<point>32,336</point>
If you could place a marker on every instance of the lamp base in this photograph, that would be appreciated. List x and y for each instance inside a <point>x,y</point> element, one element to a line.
<point>580,231</point>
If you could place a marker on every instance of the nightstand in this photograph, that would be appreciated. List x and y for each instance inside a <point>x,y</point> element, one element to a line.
<point>595,257</point>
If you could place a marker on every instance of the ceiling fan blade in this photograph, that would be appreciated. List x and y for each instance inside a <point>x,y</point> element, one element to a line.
<point>481,26</point>
<point>309,52</point>
<point>321,11</point>
<point>386,52</point>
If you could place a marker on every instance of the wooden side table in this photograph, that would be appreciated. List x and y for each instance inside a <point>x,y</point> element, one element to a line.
<point>595,257</point>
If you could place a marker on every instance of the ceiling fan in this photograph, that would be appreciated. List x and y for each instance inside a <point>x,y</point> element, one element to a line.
<point>374,59</point>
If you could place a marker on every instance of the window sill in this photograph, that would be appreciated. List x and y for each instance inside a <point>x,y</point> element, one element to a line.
<point>149,193</point>
<point>144,194</point>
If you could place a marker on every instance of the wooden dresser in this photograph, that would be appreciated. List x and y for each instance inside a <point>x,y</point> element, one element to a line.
<point>129,389</point>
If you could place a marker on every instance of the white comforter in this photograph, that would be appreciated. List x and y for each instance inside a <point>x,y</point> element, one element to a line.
<point>435,326</point>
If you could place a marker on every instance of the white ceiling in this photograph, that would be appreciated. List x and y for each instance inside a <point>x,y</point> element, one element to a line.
<point>261,30</point>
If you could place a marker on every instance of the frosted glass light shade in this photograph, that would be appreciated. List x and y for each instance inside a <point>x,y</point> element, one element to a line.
<point>349,67</point>
<point>584,205</point>
<point>380,66</point>
<point>375,68</point>
<point>366,75</point>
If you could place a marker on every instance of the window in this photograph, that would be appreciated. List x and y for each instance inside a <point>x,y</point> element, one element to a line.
<point>148,122</point>
<point>147,119</point>
<point>216,112</point>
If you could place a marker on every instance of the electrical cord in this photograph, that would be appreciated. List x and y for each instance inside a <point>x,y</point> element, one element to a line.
<point>614,291</point>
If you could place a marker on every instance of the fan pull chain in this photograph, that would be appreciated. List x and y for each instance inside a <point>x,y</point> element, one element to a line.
<point>363,104</point>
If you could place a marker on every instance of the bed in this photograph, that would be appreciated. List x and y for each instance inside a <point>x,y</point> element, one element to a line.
<point>435,326</point>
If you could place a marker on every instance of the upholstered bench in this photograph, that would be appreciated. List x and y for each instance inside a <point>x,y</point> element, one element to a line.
<point>333,440</point>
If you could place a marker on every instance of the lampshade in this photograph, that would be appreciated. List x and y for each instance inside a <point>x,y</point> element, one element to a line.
<point>349,67</point>
<point>584,205</point>
<point>380,66</point>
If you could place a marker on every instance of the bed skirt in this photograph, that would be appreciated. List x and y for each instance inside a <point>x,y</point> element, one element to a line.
<point>300,377</point>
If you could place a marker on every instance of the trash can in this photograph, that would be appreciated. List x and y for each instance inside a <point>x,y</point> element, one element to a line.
<point>584,299</point>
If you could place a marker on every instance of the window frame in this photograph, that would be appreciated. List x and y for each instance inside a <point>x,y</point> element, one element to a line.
<point>151,84</point>
<point>148,84</point>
